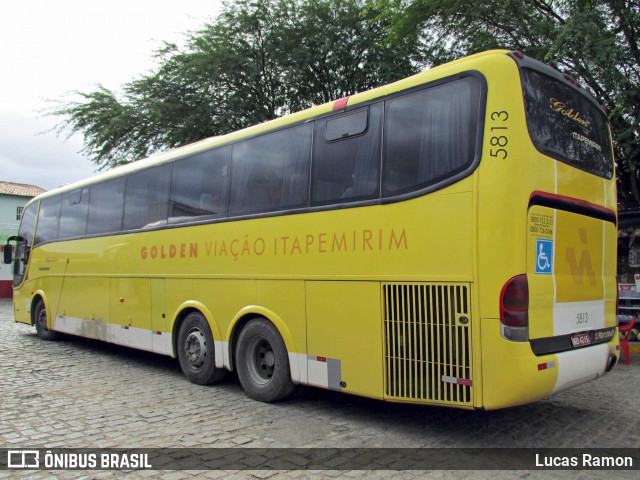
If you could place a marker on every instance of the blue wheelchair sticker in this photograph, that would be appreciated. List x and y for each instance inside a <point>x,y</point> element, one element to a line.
<point>544,256</point>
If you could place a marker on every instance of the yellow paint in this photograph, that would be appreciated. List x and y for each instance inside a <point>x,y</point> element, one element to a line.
<point>578,266</point>
<point>337,307</point>
<point>510,373</point>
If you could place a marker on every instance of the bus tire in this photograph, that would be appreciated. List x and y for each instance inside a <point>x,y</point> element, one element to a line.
<point>262,362</point>
<point>196,351</point>
<point>40,321</point>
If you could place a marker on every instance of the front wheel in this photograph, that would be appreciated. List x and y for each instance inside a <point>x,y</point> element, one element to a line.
<point>195,351</point>
<point>263,363</point>
<point>40,320</point>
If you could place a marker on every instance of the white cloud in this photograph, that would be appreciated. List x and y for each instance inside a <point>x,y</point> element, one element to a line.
<point>49,48</point>
<point>29,154</point>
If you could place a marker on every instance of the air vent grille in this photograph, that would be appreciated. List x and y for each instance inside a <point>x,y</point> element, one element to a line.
<point>428,342</point>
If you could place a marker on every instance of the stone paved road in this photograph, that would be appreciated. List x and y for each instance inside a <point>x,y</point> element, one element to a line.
<point>83,393</point>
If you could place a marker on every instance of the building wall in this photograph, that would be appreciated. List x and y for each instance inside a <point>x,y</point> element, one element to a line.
<point>8,226</point>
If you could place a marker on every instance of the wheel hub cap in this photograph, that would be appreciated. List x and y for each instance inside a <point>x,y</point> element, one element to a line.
<point>195,346</point>
<point>265,360</point>
<point>270,359</point>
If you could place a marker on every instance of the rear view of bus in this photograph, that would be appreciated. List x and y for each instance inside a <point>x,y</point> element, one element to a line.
<point>554,257</point>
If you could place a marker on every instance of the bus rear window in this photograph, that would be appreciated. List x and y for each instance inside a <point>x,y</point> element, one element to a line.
<point>567,125</point>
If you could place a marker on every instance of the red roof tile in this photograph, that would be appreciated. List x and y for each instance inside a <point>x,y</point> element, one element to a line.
<point>19,189</point>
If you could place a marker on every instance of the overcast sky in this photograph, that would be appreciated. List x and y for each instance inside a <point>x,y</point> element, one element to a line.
<point>49,48</point>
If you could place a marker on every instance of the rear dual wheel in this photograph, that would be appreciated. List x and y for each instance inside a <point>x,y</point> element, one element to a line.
<point>261,358</point>
<point>262,362</point>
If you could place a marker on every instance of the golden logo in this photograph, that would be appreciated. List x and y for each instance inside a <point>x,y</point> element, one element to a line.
<point>577,268</point>
<point>561,107</point>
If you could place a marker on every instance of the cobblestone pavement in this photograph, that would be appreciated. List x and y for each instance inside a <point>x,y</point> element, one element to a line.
<point>82,393</point>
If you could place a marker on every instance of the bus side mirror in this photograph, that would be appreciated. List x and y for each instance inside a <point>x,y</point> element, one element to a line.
<point>8,254</point>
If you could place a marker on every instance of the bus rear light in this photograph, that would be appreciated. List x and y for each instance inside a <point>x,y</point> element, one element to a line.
<point>515,319</point>
<point>514,309</point>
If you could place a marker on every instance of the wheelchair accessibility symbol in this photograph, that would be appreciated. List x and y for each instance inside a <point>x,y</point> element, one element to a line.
<point>544,256</point>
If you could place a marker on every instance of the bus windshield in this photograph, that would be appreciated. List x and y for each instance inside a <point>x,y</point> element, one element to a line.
<point>566,125</point>
<point>25,242</point>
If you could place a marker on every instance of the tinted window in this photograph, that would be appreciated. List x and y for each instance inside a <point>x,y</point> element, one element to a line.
<point>146,198</point>
<point>105,207</point>
<point>28,223</point>
<point>566,125</point>
<point>23,247</point>
<point>73,217</point>
<point>271,172</point>
<point>199,186</point>
<point>48,220</point>
<point>347,125</point>
<point>430,135</point>
<point>347,169</point>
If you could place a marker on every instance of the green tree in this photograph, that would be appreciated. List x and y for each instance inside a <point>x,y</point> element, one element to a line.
<point>258,60</point>
<point>594,41</point>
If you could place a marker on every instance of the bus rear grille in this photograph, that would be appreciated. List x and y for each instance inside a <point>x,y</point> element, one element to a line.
<point>428,342</point>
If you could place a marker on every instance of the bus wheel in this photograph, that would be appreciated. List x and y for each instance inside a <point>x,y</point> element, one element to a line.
<point>262,362</point>
<point>40,320</point>
<point>195,351</point>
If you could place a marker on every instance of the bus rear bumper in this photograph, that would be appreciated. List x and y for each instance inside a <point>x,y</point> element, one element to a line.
<point>579,366</point>
<point>513,375</point>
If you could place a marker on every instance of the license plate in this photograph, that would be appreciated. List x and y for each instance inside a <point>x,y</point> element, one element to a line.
<point>580,340</point>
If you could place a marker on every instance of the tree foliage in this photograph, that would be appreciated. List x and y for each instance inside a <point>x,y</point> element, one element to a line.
<point>260,59</point>
<point>256,61</point>
<point>594,41</point>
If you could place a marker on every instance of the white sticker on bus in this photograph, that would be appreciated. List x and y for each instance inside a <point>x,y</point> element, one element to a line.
<point>572,317</point>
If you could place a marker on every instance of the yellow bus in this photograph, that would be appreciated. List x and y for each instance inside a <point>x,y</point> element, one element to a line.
<point>447,239</point>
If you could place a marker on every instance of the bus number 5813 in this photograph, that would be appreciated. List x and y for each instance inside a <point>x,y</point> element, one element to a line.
<point>499,140</point>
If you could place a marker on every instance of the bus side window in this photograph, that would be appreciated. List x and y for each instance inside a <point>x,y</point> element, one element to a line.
<point>346,159</point>
<point>199,186</point>
<point>146,198</point>
<point>73,215</point>
<point>430,135</point>
<point>105,207</point>
<point>48,220</point>
<point>271,172</point>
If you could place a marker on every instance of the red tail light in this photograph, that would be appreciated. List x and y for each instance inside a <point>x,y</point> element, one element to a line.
<point>514,302</point>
